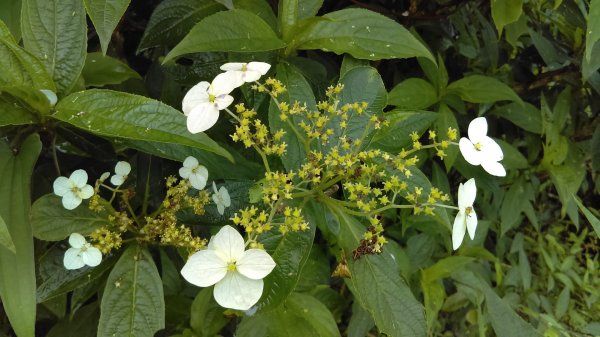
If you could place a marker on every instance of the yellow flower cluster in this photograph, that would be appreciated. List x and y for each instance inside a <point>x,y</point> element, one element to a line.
<point>372,240</point>
<point>181,237</point>
<point>106,240</point>
<point>272,86</point>
<point>253,221</point>
<point>294,221</point>
<point>276,186</point>
<point>252,132</point>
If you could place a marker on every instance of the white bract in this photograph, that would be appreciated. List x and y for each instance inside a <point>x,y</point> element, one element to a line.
<point>122,169</point>
<point>194,172</point>
<point>247,72</point>
<point>479,149</point>
<point>81,253</point>
<point>466,219</point>
<point>221,198</point>
<point>73,189</point>
<point>236,274</point>
<point>203,101</point>
<point>50,95</point>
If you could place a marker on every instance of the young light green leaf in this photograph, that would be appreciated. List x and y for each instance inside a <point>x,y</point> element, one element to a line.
<point>233,31</point>
<point>100,70</point>
<point>593,28</point>
<point>133,303</point>
<point>413,94</point>
<point>361,33</point>
<point>591,218</point>
<point>105,15</point>
<point>17,271</point>
<point>123,115</point>
<point>55,31</point>
<point>5,239</point>
<point>172,19</point>
<point>482,89</point>
<point>505,12</point>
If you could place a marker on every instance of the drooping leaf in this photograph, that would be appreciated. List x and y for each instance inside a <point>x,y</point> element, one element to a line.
<point>505,12</point>
<point>361,33</point>
<point>132,303</point>
<point>593,28</point>
<point>105,15</point>
<point>233,31</point>
<point>173,19</point>
<point>591,218</point>
<point>27,98</point>
<point>17,270</point>
<point>100,70</point>
<point>413,94</point>
<point>482,89</point>
<point>123,115</point>
<point>55,31</point>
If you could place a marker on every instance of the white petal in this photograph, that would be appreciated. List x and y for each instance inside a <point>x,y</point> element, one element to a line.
<point>77,240</point>
<point>494,168</point>
<point>472,223</point>
<point>458,230</point>
<point>92,256</point>
<point>491,150</point>
<point>238,292</point>
<point>471,155</point>
<point>62,185</point>
<point>50,95</point>
<point>86,192</point>
<point>477,129</point>
<point>467,194</point>
<point>185,172</point>
<point>225,196</point>
<point>255,264</point>
<point>214,185</point>
<point>232,66</point>
<point>198,94</point>
<point>224,83</point>
<point>190,162</point>
<point>220,208</point>
<point>223,101</point>
<point>261,67</point>
<point>251,76</point>
<point>202,118</point>
<point>122,168</point>
<point>117,180</point>
<point>71,201</point>
<point>228,243</point>
<point>204,268</point>
<point>79,178</point>
<point>104,176</point>
<point>198,181</point>
<point>72,259</point>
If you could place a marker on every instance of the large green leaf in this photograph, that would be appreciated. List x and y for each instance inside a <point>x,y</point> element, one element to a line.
<point>52,222</point>
<point>133,303</point>
<point>25,97</point>
<point>20,67</point>
<point>56,32</point>
<point>101,70</point>
<point>207,318</point>
<point>10,14</point>
<point>526,116</point>
<point>402,123</point>
<point>234,31</point>
<point>172,19</point>
<point>413,93</point>
<point>505,12</point>
<point>445,120</point>
<point>593,28</point>
<point>361,33</point>
<point>13,114</point>
<point>105,15</point>
<point>123,115</point>
<point>377,286</point>
<point>288,16</point>
<point>482,89</point>
<point>261,8</point>
<point>17,270</point>
<point>5,239</point>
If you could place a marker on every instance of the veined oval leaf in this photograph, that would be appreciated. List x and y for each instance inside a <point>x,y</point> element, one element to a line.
<point>123,115</point>
<point>361,33</point>
<point>101,70</point>
<point>133,302</point>
<point>482,89</point>
<point>105,15</point>
<point>413,93</point>
<point>235,30</point>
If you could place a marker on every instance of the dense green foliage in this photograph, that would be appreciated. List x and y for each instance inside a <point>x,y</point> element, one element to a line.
<point>530,67</point>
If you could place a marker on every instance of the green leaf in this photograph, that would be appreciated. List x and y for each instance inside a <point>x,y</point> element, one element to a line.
<point>397,135</point>
<point>301,316</point>
<point>445,120</point>
<point>567,177</point>
<point>14,115</point>
<point>350,62</point>
<point>52,222</point>
<point>298,89</point>
<point>590,67</point>
<point>593,28</point>
<point>100,70</point>
<point>360,322</point>
<point>5,239</point>
<point>173,19</point>
<point>132,303</point>
<point>10,14</point>
<point>17,270</point>
<point>233,31</point>
<point>207,318</point>
<point>28,98</point>
<point>444,268</point>
<point>505,12</point>
<point>105,15</point>
<point>288,16</point>
<point>123,115</point>
<point>591,218</point>
<point>526,116</point>
<point>20,67</point>
<point>82,324</point>
<point>482,89</point>
<point>361,33</point>
<point>377,286</point>
<point>55,31</point>
<point>413,93</point>
<point>513,159</point>
<point>259,7</point>
<point>308,8</point>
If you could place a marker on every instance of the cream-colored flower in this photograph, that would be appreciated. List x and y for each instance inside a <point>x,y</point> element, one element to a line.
<point>194,172</point>
<point>122,169</point>
<point>73,189</point>
<point>221,198</point>
<point>247,72</point>
<point>466,219</point>
<point>479,149</point>
<point>81,253</point>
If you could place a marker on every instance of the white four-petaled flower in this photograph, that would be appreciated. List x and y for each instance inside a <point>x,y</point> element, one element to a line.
<point>221,198</point>
<point>73,189</point>
<point>194,172</point>
<point>236,274</point>
<point>247,72</point>
<point>466,219</point>
<point>81,253</point>
<point>122,169</point>
<point>202,103</point>
<point>479,149</point>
